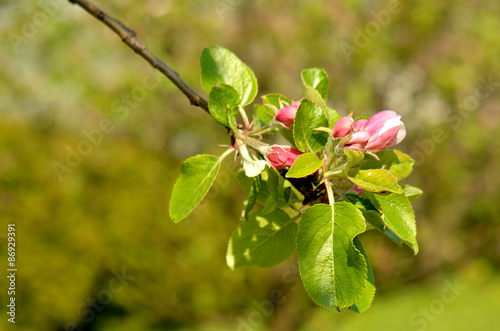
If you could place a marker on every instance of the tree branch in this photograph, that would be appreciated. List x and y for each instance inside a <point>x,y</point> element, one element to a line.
<point>128,36</point>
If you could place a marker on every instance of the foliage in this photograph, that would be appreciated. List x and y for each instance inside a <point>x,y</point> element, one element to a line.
<point>321,169</point>
<point>111,211</point>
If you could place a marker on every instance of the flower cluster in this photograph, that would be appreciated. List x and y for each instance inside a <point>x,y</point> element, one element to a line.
<point>283,157</point>
<point>382,130</point>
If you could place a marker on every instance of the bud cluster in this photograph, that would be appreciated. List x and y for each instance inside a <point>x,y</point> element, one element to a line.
<point>382,130</point>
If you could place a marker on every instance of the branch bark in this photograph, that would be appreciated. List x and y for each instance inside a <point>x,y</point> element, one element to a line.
<point>128,36</point>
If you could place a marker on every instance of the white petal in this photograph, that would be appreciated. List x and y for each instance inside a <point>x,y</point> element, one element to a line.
<point>401,134</point>
<point>253,168</point>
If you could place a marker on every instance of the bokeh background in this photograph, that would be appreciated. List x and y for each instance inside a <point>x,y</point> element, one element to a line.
<point>96,249</point>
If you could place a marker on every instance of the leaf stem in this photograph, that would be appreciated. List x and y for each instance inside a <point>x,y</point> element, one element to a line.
<point>331,174</point>
<point>329,190</point>
<point>244,116</point>
<point>225,154</point>
<point>261,130</point>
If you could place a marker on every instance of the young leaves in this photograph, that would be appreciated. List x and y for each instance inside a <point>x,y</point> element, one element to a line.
<point>365,301</point>
<point>315,83</point>
<point>272,184</point>
<point>272,103</point>
<point>276,100</point>
<point>309,117</point>
<point>398,216</point>
<point>317,79</point>
<point>377,180</point>
<point>313,95</point>
<point>219,65</point>
<point>304,165</point>
<point>353,158</point>
<point>222,100</point>
<point>333,271</point>
<point>250,188</point>
<point>197,175</point>
<point>333,264</point>
<point>262,241</point>
<point>412,192</point>
<point>374,218</point>
<point>399,164</point>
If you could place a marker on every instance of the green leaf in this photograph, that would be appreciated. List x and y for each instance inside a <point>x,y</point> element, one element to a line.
<point>374,218</point>
<point>378,180</point>
<point>264,241</point>
<point>398,216</point>
<point>266,187</point>
<point>412,192</point>
<point>309,116</point>
<point>365,301</point>
<point>272,103</point>
<point>231,121</point>
<point>332,269</point>
<point>317,79</point>
<point>360,203</point>
<point>313,95</point>
<point>287,134</point>
<point>304,165</point>
<point>263,113</point>
<point>276,100</point>
<point>249,186</point>
<point>399,164</point>
<point>272,187</point>
<point>222,100</point>
<point>197,175</point>
<point>353,158</point>
<point>219,65</point>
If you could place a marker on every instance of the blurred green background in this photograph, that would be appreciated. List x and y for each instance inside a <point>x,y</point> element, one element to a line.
<point>96,249</point>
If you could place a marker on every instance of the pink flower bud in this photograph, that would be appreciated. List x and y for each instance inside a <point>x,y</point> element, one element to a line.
<point>382,130</point>
<point>358,141</point>
<point>283,157</point>
<point>286,115</point>
<point>386,129</point>
<point>359,124</point>
<point>342,127</point>
<point>359,137</point>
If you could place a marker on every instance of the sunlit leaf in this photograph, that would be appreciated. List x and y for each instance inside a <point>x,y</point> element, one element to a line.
<point>333,271</point>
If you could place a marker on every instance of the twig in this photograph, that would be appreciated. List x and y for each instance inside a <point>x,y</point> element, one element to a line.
<point>128,36</point>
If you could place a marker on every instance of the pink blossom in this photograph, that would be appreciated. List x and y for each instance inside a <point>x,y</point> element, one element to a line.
<point>286,115</point>
<point>382,130</point>
<point>283,157</point>
<point>342,128</point>
<point>359,124</point>
<point>386,129</point>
